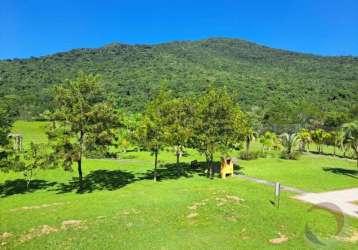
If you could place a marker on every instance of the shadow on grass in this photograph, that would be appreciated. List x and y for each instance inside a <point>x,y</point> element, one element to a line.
<point>109,179</point>
<point>172,171</point>
<point>342,171</point>
<point>18,186</point>
<point>98,180</point>
<point>330,154</point>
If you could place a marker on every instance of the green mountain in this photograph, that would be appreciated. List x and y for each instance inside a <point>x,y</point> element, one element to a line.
<point>255,75</point>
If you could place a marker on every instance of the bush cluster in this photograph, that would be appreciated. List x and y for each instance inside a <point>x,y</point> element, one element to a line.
<point>252,155</point>
<point>294,155</point>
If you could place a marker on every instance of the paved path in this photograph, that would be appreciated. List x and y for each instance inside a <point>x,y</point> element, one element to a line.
<point>339,201</point>
<point>271,184</point>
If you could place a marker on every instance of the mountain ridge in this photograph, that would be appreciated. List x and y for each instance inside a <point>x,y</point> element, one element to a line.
<point>115,44</point>
<point>132,74</point>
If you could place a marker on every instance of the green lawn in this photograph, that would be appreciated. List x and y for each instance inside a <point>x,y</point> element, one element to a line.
<point>122,208</point>
<point>312,173</point>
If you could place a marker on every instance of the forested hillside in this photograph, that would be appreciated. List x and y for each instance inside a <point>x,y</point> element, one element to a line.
<point>132,74</point>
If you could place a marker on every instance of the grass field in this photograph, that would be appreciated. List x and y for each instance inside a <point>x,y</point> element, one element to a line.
<point>122,208</point>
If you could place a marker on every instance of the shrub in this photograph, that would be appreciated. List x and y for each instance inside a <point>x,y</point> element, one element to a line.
<point>252,155</point>
<point>100,154</point>
<point>127,157</point>
<point>294,155</point>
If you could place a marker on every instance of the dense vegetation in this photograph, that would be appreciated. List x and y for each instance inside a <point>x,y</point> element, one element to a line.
<point>85,124</point>
<point>122,208</point>
<point>87,120</point>
<point>255,76</point>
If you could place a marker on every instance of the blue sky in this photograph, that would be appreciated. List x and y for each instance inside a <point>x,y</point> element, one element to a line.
<point>41,27</point>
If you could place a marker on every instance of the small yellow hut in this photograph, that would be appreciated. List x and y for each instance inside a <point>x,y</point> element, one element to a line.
<point>227,167</point>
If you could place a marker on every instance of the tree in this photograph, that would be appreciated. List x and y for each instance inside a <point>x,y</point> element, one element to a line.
<point>219,124</point>
<point>178,124</point>
<point>254,119</point>
<point>268,140</point>
<point>334,120</point>
<point>36,158</point>
<point>334,139</point>
<point>351,135</point>
<point>84,121</point>
<point>289,141</point>
<point>151,134</point>
<point>8,157</point>
<point>304,137</point>
<point>319,136</point>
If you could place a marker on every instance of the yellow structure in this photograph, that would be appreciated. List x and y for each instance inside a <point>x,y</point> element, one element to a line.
<point>227,167</point>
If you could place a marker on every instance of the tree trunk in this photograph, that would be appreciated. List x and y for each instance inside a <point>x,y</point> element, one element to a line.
<point>209,160</point>
<point>79,167</point>
<point>28,181</point>
<point>211,167</point>
<point>211,170</point>
<point>155,164</point>
<point>178,161</point>
<point>79,161</point>
<point>248,144</point>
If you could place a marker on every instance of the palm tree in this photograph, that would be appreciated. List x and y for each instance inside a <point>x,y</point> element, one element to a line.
<point>268,140</point>
<point>304,137</point>
<point>318,137</point>
<point>351,136</point>
<point>289,141</point>
<point>250,136</point>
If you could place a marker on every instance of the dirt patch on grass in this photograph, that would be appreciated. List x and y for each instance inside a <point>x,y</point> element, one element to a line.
<point>281,239</point>
<point>3,237</point>
<point>129,212</point>
<point>234,198</point>
<point>196,205</point>
<point>76,224</point>
<point>220,201</point>
<point>37,232</point>
<point>192,215</point>
<point>46,229</point>
<point>37,206</point>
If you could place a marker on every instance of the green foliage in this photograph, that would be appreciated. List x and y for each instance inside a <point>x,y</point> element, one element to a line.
<point>269,141</point>
<point>351,136</point>
<point>84,121</point>
<point>219,124</point>
<point>254,123</point>
<point>293,155</point>
<point>319,136</point>
<point>179,120</point>
<point>8,157</point>
<point>133,74</point>
<point>252,155</point>
<point>289,141</point>
<point>304,137</point>
<point>36,158</point>
<point>152,132</point>
<point>334,120</point>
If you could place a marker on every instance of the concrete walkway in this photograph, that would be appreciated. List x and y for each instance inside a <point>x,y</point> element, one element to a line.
<point>271,184</point>
<point>338,201</point>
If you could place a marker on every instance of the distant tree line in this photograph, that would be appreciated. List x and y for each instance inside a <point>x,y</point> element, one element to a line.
<point>85,122</point>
